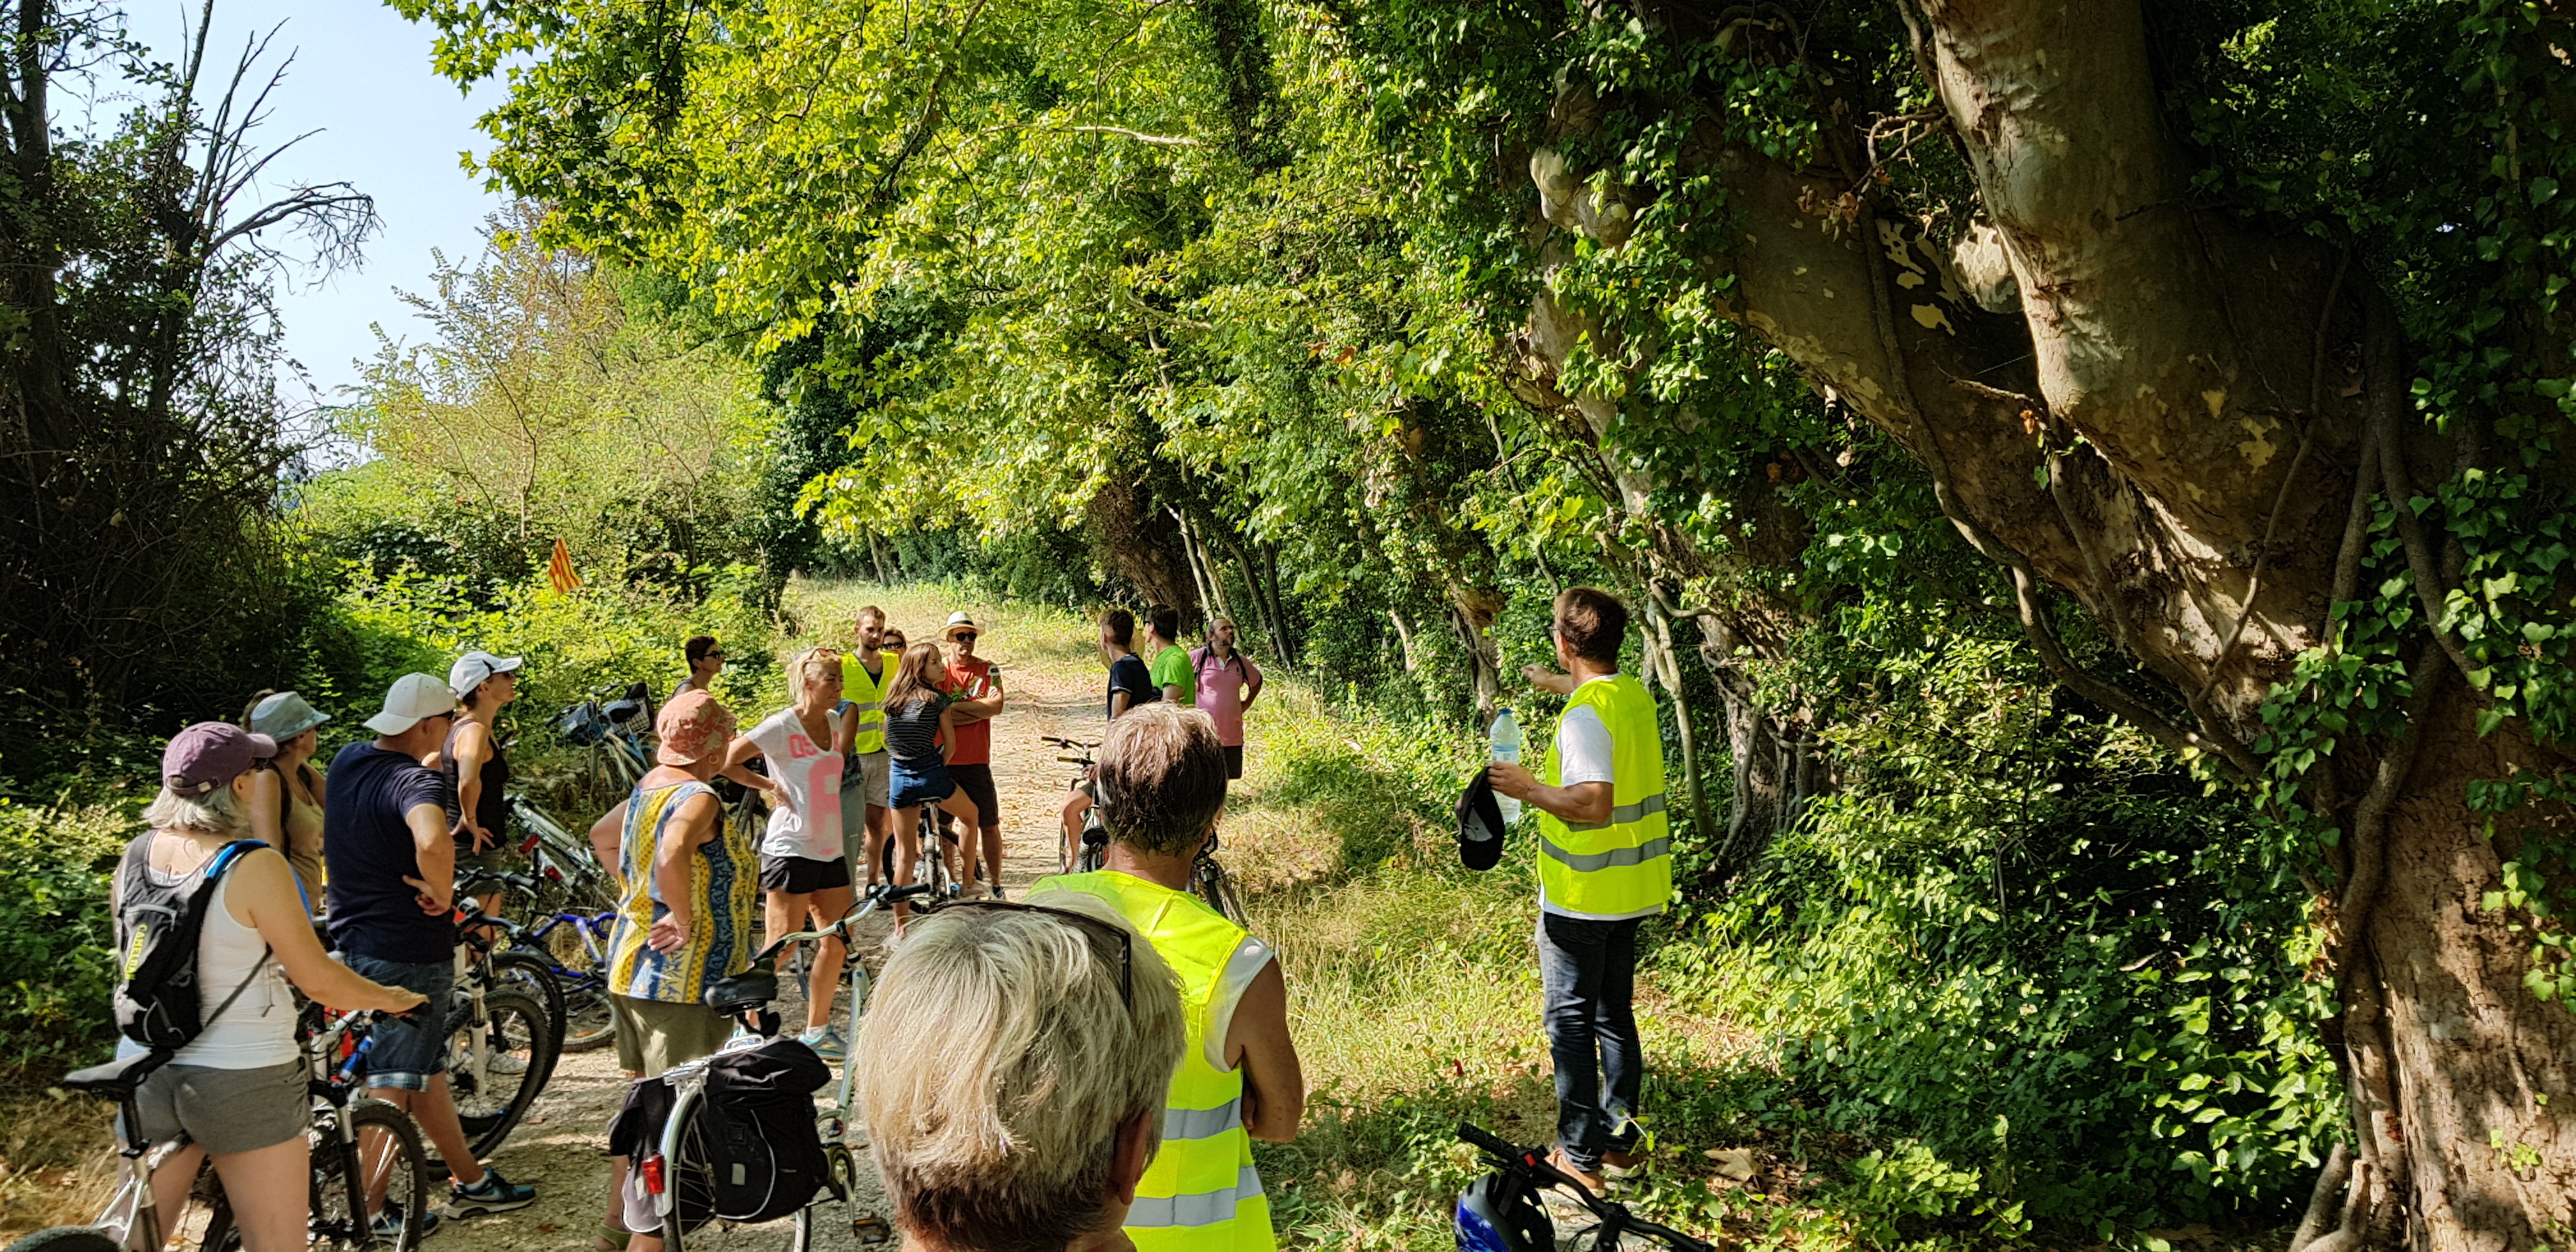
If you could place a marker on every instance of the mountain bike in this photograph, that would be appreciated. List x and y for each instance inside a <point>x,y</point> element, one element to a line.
<point>691,1151</point>
<point>611,723</point>
<point>932,870</point>
<point>1094,846</point>
<point>497,944</point>
<point>570,950</point>
<point>202,1222</point>
<point>565,873</point>
<point>1500,1212</point>
<point>503,1051</point>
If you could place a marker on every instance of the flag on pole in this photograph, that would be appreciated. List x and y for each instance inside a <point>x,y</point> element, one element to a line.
<point>559,570</point>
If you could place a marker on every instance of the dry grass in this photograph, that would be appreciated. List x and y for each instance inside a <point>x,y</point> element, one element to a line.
<point>57,1160</point>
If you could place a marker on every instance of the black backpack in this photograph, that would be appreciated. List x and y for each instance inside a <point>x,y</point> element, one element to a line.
<point>158,1002</point>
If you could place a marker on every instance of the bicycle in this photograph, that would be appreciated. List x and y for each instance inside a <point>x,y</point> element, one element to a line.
<point>1500,1212</point>
<point>571,950</point>
<point>612,723</point>
<point>1094,846</point>
<point>514,965</point>
<point>346,1134</point>
<point>567,873</point>
<point>502,1052</point>
<point>1208,881</point>
<point>690,1151</point>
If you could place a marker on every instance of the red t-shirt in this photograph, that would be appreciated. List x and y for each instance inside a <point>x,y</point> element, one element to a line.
<point>973,740</point>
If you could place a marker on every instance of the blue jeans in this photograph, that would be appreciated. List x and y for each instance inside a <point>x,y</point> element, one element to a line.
<point>1588,976</point>
<point>402,1054</point>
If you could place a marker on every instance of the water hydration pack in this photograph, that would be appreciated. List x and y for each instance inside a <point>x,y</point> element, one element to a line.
<point>158,1002</point>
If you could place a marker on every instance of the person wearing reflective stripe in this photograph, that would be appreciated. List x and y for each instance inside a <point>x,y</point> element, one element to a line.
<point>1161,777</point>
<point>866,820</point>
<point>1605,865</point>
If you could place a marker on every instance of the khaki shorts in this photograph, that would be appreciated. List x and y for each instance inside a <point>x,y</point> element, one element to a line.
<point>869,776</point>
<point>654,1035</point>
<point>226,1110</point>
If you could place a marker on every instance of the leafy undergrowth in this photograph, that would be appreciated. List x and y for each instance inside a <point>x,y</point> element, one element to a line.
<point>1414,997</point>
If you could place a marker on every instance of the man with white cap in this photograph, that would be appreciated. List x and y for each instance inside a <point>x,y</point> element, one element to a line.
<point>476,770</point>
<point>392,885</point>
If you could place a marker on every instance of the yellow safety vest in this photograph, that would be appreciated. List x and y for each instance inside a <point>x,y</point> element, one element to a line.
<point>867,699</point>
<point>1622,866</point>
<point>1201,1192</point>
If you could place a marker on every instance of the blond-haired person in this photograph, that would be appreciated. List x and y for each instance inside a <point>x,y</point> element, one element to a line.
<point>1161,781</point>
<point>802,867</point>
<point>238,1089</point>
<point>1012,1072</point>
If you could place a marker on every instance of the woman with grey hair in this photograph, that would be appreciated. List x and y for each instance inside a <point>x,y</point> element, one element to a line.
<point>1012,1071</point>
<point>238,1089</point>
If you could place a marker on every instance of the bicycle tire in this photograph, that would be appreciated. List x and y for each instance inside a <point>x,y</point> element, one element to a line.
<point>514,1024</point>
<point>336,1195</point>
<point>66,1239</point>
<point>535,974</point>
<point>688,1172</point>
<point>579,955</point>
<point>841,1195</point>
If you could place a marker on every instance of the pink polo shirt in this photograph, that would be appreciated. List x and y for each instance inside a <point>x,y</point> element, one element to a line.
<point>1221,688</point>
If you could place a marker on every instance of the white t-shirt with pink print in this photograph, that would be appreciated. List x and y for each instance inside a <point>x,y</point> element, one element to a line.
<point>811,773</point>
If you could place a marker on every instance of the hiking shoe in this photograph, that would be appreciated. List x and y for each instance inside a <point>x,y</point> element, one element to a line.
<point>826,1042</point>
<point>388,1226</point>
<point>1590,1178</point>
<point>494,1194</point>
<point>1621,1166</point>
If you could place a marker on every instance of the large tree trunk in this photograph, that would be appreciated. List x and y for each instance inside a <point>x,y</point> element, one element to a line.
<point>2167,366</point>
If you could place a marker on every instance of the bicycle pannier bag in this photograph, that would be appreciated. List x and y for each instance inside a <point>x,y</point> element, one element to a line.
<point>157,1000</point>
<point>763,1102</point>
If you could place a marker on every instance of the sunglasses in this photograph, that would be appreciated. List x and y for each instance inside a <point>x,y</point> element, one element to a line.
<point>964,636</point>
<point>715,654</point>
<point>1126,938</point>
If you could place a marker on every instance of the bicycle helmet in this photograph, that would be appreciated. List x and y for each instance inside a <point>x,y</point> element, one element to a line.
<point>1501,1213</point>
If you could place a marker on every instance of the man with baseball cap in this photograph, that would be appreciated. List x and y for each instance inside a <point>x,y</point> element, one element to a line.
<point>970,749</point>
<point>392,887</point>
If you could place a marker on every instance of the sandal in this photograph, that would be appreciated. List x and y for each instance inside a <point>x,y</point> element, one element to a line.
<point>610,1239</point>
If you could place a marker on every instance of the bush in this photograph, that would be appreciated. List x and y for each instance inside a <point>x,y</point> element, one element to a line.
<point>57,937</point>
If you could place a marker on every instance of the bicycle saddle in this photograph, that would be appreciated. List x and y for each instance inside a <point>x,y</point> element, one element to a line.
<point>743,992</point>
<point>118,1078</point>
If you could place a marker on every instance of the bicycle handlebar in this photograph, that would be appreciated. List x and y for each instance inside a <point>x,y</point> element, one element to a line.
<point>1067,743</point>
<point>1528,1162</point>
<point>882,895</point>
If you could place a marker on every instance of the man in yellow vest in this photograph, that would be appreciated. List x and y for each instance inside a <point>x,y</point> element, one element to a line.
<point>1605,865</point>
<point>866,821</point>
<point>1161,778</point>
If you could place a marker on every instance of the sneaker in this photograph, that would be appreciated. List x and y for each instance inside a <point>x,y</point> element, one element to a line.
<point>826,1042</point>
<point>996,889</point>
<point>1620,1166</point>
<point>506,1063</point>
<point>1590,1178</point>
<point>388,1226</point>
<point>494,1194</point>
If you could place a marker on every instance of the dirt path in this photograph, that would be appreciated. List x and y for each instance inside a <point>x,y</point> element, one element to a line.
<point>559,1149</point>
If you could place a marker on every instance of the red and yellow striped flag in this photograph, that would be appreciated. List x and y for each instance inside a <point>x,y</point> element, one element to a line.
<point>559,570</point>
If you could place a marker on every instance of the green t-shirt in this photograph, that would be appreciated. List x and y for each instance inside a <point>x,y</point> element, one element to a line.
<point>1172,669</point>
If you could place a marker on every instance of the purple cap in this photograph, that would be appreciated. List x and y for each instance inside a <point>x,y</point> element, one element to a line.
<point>210,755</point>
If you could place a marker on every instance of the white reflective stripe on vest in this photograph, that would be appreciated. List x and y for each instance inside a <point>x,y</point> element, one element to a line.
<point>1595,861</point>
<point>1625,814</point>
<point>1202,1123</point>
<point>1205,1208</point>
<point>868,707</point>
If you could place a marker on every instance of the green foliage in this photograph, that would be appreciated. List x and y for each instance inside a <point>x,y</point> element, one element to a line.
<point>57,935</point>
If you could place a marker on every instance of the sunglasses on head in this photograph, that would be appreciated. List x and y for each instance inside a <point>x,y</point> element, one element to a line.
<point>1126,938</point>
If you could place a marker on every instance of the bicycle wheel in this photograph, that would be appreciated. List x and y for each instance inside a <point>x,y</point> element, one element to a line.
<point>66,1239</point>
<point>535,975</point>
<point>392,1180</point>
<point>581,968</point>
<point>932,869</point>
<point>691,1174</point>
<point>496,1067</point>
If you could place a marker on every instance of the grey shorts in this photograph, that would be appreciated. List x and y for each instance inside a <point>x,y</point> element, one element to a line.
<point>226,1110</point>
<point>870,776</point>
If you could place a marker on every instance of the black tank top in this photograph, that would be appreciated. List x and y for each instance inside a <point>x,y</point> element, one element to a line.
<point>491,807</point>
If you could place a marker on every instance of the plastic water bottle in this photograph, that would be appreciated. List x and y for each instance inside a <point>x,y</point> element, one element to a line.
<point>1507,748</point>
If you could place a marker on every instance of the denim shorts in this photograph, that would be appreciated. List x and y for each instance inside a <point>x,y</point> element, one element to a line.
<point>924,782</point>
<point>403,1054</point>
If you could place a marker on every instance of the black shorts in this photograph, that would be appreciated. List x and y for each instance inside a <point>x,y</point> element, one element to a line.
<point>976,781</point>
<point>796,875</point>
<point>1234,761</point>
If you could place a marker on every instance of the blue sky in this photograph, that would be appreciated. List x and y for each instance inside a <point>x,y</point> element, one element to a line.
<point>388,124</point>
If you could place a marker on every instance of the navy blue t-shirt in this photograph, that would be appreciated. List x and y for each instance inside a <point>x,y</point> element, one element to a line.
<point>367,850</point>
<point>1130,674</point>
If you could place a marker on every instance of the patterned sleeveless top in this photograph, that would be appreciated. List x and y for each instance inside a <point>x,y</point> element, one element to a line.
<point>724,885</point>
